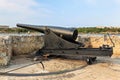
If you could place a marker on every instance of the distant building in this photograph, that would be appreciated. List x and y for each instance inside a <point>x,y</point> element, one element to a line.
<point>4,26</point>
<point>100,26</point>
<point>107,26</point>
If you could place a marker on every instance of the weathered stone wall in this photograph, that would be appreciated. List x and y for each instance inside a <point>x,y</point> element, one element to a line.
<point>5,49</point>
<point>26,44</point>
<point>29,43</point>
<point>97,41</point>
<point>17,45</point>
<point>100,41</point>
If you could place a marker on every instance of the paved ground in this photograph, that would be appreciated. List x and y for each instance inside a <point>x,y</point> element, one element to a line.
<point>62,69</point>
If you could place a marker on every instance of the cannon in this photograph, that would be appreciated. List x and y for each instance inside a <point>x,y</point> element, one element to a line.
<point>61,41</point>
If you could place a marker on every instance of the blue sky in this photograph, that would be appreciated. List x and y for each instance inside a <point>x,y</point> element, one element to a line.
<point>68,13</point>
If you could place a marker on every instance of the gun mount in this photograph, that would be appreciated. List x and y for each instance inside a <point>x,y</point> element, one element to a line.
<point>61,41</point>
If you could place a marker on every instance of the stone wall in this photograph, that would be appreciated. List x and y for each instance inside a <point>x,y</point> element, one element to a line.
<point>26,44</point>
<point>97,41</point>
<point>17,45</point>
<point>5,49</point>
<point>100,41</point>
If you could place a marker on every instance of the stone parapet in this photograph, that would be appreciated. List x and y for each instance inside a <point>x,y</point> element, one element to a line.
<point>5,49</point>
<point>18,45</point>
<point>97,41</point>
<point>26,44</point>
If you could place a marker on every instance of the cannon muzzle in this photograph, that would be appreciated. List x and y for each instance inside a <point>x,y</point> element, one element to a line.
<point>69,34</point>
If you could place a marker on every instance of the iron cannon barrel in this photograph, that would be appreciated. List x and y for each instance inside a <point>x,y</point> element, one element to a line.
<point>69,34</point>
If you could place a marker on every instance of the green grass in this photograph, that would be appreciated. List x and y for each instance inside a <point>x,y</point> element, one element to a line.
<point>80,30</point>
<point>97,30</point>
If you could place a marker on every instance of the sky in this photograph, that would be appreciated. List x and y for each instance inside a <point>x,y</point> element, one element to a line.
<point>66,13</point>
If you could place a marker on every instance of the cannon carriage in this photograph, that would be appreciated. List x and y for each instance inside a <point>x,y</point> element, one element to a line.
<point>61,41</point>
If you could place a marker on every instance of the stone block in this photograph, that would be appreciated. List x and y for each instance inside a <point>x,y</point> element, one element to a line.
<point>5,50</point>
<point>26,44</point>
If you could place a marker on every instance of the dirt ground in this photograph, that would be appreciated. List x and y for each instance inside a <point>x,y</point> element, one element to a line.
<point>61,69</point>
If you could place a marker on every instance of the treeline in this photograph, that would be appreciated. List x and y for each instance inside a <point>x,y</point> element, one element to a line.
<point>80,30</point>
<point>15,30</point>
<point>98,30</point>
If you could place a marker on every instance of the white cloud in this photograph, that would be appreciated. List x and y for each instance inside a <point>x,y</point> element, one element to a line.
<point>17,5</point>
<point>12,11</point>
